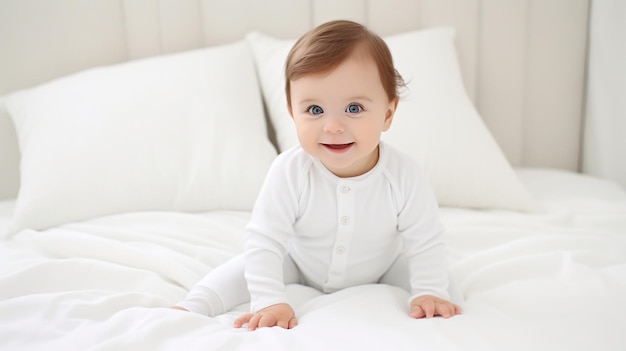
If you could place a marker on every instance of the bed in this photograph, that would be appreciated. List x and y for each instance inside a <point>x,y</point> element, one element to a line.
<point>135,136</point>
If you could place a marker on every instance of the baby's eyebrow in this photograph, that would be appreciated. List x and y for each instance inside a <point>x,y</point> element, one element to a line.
<point>361,98</point>
<point>307,101</point>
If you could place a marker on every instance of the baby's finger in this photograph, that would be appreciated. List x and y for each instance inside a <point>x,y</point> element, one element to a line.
<point>292,323</point>
<point>179,308</point>
<point>254,322</point>
<point>267,320</point>
<point>283,323</point>
<point>443,310</point>
<point>243,319</point>
<point>429,308</point>
<point>417,312</point>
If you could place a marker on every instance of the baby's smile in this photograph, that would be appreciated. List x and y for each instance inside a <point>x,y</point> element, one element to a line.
<point>338,147</point>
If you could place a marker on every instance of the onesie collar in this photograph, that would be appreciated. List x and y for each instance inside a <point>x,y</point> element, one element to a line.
<point>383,155</point>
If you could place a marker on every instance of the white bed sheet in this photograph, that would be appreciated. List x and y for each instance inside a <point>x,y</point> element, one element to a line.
<point>554,280</point>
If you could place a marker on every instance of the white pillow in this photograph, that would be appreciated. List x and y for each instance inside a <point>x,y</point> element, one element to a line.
<point>436,123</point>
<point>179,132</point>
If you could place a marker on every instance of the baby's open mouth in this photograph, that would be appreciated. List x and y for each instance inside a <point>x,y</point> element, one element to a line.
<point>338,146</point>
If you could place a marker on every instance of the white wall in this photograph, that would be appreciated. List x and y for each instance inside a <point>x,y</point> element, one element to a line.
<point>604,152</point>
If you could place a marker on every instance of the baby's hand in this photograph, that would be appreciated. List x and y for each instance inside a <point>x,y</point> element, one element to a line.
<point>429,306</point>
<point>179,308</point>
<point>281,315</point>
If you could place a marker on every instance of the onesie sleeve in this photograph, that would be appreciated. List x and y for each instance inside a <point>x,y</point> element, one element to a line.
<point>422,231</point>
<point>270,227</point>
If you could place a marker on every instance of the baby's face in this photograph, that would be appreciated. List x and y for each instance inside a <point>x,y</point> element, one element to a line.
<point>340,115</point>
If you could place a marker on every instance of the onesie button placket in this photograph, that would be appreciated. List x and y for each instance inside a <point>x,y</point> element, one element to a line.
<point>345,232</point>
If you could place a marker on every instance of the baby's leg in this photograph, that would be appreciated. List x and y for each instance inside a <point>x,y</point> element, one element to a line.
<point>398,275</point>
<point>225,287</point>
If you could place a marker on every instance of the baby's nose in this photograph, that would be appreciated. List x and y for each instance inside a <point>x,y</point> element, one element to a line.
<point>333,125</point>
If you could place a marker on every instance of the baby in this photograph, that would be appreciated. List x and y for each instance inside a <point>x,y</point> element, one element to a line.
<point>342,208</point>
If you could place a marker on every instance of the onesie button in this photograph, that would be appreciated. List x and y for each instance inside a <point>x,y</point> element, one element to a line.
<point>340,250</point>
<point>345,189</point>
<point>345,220</point>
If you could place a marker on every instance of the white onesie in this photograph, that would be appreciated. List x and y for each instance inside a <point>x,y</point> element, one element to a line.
<point>339,232</point>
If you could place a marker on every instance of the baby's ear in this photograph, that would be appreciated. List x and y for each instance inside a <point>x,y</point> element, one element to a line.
<point>391,110</point>
<point>290,110</point>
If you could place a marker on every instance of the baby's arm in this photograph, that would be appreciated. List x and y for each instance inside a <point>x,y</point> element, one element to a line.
<point>265,248</point>
<point>425,250</point>
<point>264,273</point>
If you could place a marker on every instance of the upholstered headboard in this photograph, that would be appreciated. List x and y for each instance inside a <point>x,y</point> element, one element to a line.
<point>523,61</point>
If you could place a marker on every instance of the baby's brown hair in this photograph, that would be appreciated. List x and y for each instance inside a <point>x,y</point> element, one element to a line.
<point>326,46</point>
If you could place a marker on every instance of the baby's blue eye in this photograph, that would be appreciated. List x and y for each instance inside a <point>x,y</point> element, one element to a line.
<point>315,110</point>
<point>354,108</point>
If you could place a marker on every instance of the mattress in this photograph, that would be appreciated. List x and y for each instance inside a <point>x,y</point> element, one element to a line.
<point>554,279</point>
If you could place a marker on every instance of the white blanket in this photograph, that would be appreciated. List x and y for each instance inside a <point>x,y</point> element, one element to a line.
<point>554,280</point>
